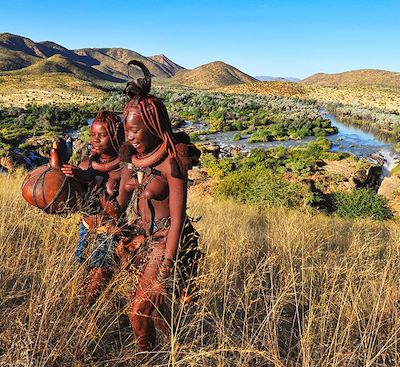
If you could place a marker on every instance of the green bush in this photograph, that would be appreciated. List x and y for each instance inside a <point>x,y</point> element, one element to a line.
<point>262,186</point>
<point>361,203</point>
<point>237,137</point>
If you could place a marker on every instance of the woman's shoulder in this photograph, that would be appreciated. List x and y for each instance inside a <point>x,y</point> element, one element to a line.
<point>170,168</point>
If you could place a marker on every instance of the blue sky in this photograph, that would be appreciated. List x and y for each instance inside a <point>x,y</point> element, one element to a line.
<point>278,38</point>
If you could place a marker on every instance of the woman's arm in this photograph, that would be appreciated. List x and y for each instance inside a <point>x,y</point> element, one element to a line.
<point>123,194</point>
<point>177,206</point>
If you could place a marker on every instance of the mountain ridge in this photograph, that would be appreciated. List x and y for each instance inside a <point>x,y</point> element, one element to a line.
<point>360,77</point>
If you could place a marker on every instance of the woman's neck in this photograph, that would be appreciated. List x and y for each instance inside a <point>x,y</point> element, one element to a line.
<point>105,158</point>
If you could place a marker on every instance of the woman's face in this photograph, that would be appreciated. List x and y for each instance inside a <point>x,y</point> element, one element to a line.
<point>99,139</point>
<point>139,135</point>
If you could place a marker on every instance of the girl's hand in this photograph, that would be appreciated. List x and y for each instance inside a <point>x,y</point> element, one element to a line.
<point>70,170</point>
<point>75,172</point>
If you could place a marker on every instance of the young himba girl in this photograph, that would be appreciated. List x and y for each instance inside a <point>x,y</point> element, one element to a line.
<point>100,173</point>
<point>153,191</point>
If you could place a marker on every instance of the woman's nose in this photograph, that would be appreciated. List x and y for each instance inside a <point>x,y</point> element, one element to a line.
<point>131,136</point>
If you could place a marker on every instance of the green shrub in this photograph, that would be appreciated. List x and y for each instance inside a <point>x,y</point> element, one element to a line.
<point>361,203</point>
<point>237,137</point>
<point>262,186</point>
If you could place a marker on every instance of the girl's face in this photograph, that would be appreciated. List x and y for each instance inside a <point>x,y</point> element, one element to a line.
<point>99,139</point>
<point>139,135</point>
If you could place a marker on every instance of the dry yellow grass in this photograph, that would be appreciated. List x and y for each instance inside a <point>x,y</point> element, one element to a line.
<point>273,88</point>
<point>57,88</point>
<point>375,97</point>
<point>279,288</point>
<point>367,96</point>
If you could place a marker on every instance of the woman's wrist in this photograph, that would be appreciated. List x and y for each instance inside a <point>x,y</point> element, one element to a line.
<point>165,269</point>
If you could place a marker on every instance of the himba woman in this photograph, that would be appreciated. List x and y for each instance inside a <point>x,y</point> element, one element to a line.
<point>153,190</point>
<point>100,174</point>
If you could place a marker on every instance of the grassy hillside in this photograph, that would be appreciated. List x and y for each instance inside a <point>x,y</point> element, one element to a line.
<point>60,88</point>
<point>365,77</point>
<point>212,75</point>
<point>278,288</point>
<point>12,60</point>
<point>273,88</point>
<point>61,64</point>
<point>368,96</point>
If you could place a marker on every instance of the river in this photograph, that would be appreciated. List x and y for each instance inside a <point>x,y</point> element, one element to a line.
<point>350,138</point>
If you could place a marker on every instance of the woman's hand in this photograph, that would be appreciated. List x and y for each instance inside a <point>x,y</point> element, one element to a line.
<point>158,293</point>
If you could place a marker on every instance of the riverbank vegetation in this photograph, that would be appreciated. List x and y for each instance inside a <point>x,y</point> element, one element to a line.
<point>278,287</point>
<point>378,120</point>
<point>300,177</point>
<point>266,118</point>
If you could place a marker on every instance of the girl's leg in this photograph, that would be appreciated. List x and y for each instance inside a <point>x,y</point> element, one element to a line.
<point>95,282</point>
<point>100,266</point>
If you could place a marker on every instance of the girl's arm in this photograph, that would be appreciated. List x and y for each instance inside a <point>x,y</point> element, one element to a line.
<point>83,173</point>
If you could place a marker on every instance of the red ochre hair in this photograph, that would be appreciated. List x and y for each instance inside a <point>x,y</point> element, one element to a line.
<point>114,128</point>
<point>156,119</point>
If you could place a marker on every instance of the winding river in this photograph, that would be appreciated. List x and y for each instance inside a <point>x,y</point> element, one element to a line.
<point>350,138</point>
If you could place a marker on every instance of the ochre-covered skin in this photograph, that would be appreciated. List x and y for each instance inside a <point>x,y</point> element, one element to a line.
<point>153,189</point>
<point>101,175</point>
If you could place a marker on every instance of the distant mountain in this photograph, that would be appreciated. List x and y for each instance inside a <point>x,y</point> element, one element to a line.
<point>114,61</point>
<point>19,54</point>
<point>364,77</point>
<point>17,43</point>
<point>61,64</point>
<point>164,60</point>
<point>213,75</point>
<point>277,79</point>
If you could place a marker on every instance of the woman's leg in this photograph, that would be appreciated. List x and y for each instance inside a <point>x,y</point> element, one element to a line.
<point>162,320</point>
<point>143,308</point>
<point>142,322</point>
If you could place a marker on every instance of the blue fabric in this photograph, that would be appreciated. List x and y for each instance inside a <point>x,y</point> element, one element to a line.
<point>102,255</point>
<point>82,244</point>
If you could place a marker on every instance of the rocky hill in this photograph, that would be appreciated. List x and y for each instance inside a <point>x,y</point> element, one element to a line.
<point>61,64</point>
<point>213,75</point>
<point>364,77</point>
<point>20,54</point>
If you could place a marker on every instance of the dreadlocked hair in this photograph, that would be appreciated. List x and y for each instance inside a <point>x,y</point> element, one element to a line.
<point>114,128</point>
<point>156,119</point>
